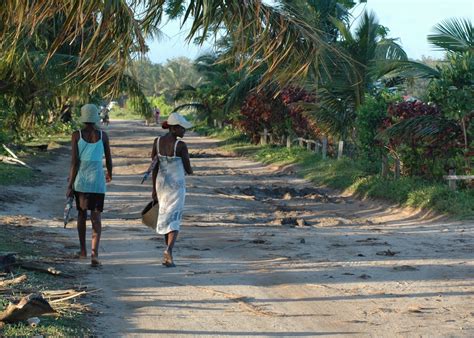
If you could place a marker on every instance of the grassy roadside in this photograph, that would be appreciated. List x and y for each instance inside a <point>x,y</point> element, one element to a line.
<point>69,323</point>
<point>14,175</point>
<point>12,240</point>
<point>129,114</point>
<point>355,177</point>
<point>124,114</point>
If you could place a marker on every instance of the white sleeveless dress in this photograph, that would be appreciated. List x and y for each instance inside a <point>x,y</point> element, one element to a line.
<point>171,191</point>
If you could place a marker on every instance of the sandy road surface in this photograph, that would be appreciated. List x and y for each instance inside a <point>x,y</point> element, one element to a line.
<point>246,269</point>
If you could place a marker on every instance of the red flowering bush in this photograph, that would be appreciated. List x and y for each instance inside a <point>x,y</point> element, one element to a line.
<point>261,111</point>
<point>280,115</point>
<point>301,124</point>
<point>427,142</point>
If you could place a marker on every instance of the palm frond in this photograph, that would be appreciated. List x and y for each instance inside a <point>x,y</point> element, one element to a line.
<point>455,35</point>
<point>333,115</point>
<point>184,92</point>
<point>272,36</point>
<point>403,68</point>
<point>241,90</point>
<point>425,127</point>
<point>344,30</point>
<point>389,49</point>
<point>109,33</point>
<point>194,106</point>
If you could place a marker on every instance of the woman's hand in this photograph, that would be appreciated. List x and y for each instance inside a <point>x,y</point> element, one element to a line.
<point>69,192</point>
<point>108,177</point>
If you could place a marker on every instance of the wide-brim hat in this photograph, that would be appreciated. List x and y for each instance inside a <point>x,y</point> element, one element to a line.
<point>89,113</point>
<point>176,119</point>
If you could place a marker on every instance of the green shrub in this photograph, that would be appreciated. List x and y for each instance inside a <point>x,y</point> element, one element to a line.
<point>160,102</point>
<point>368,122</point>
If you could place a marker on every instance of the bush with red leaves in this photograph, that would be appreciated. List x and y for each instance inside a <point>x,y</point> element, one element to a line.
<point>427,155</point>
<point>280,115</point>
<point>301,124</point>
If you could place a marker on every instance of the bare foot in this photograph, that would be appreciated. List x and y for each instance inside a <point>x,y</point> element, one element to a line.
<point>95,262</point>
<point>167,260</point>
<point>80,255</point>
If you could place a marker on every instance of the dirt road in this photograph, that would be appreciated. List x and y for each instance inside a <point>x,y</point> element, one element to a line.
<point>263,253</point>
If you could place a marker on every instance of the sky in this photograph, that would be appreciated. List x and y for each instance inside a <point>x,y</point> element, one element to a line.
<point>409,20</point>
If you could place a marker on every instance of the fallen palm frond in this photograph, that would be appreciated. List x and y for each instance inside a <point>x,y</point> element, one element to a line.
<point>10,282</point>
<point>60,301</point>
<point>29,306</point>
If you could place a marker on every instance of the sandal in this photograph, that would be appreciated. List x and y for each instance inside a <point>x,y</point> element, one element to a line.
<point>95,262</point>
<point>167,260</point>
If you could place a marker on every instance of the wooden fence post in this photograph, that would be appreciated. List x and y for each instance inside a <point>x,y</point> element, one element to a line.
<point>452,183</point>
<point>325,147</point>
<point>397,168</point>
<point>384,166</point>
<point>219,123</point>
<point>215,123</point>
<point>263,139</point>
<point>316,147</point>
<point>300,141</point>
<point>340,148</point>
<point>308,145</point>
<point>288,142</point>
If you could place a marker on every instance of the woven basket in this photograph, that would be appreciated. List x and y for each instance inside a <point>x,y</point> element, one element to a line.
<point>150,215</point>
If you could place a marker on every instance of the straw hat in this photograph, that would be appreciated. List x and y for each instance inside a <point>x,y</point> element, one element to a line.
<point>178,120</point>
<point>89,113</point>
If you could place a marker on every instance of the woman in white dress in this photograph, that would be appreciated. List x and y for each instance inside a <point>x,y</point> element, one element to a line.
<point>169,185</point>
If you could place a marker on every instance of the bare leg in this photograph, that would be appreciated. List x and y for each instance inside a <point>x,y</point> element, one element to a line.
<point>168,254</point>
<point>96,231</point>
<point>172,236</point>
<point>165,259</point>
<point>81,230</point>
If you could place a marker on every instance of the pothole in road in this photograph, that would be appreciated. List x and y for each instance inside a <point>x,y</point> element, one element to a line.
<point>208,155</point>
<point>284,193</point>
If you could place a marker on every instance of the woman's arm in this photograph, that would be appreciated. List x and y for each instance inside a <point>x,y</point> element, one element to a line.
<point>74,164</point>
<point>154,153</point>
<point>108,157</point>
<point>182,151</point>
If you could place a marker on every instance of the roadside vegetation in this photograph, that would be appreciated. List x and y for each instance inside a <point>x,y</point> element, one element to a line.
<point>69,322</point>
<point>313,72</point>
<point>357,177</point>
<point>14,175</point>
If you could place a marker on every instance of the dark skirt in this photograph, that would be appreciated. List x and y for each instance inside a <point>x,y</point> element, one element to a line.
<point>89,201</point>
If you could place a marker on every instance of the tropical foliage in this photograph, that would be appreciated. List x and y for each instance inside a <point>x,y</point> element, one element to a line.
<point>451,88</point>
<point>297,68</point>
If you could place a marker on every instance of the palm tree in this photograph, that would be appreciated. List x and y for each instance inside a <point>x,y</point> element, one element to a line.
<point>321,14</point>
<point>209,96</point>
<point>342,93</point>
<point>118,30</point>
<point>451,84</point>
